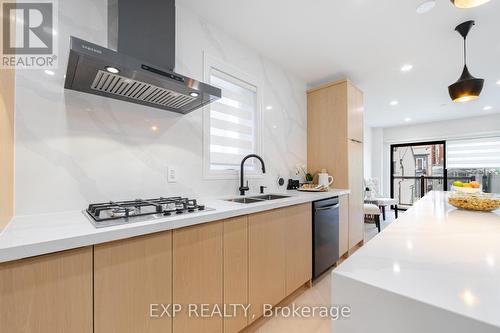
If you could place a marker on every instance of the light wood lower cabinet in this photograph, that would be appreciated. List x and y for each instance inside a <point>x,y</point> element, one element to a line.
<point>356,216</point>
<point>47,294</point>
<point>298,231</point>
<point>267,260</point>
<point>198,275</point>
<point>236,270</point>
<point>119,287</point>
<point>343,225</point>
<point>129,276</point>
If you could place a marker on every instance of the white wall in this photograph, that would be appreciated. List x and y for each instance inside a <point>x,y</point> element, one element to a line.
<point>382,138</point>
<point>450,129</point>
<point>377,154</point>
<point>74,148</point>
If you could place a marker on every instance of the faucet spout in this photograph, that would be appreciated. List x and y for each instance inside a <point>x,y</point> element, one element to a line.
<point>244,188</point>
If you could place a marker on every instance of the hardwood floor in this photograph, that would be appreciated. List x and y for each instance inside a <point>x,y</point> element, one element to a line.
<point>371,229</point>
<point>319,294</point>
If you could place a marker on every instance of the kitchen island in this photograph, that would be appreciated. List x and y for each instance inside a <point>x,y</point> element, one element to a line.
<point>435,269</point>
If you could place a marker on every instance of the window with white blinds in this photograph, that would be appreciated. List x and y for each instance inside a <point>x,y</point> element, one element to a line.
<point>232,124</point>
<point>473,153</point>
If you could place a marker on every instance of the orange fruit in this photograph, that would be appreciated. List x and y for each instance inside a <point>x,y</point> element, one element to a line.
<point>475,185</point>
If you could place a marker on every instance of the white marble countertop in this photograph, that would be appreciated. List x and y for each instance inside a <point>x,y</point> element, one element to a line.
<point>437,255</point>
<point>27,236</point>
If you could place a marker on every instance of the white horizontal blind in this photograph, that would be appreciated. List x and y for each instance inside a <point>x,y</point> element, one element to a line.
<point>473,153</point>
<point>232,122</point>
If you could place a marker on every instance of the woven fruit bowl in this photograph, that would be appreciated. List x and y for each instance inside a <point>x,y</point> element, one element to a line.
<point>483,202</point>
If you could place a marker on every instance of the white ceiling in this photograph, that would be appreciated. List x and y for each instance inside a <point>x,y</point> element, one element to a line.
<point>368,41</point>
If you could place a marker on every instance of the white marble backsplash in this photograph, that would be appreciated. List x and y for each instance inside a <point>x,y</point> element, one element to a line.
<point>74,148</point>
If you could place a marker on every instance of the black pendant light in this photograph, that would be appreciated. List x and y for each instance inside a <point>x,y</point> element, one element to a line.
<point>467,88</point>
<point>468,3</point>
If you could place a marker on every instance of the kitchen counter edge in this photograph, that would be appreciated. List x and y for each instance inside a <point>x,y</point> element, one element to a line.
<point>34,235</point>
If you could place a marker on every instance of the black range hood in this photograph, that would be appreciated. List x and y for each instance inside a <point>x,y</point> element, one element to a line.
<point>141,70</point>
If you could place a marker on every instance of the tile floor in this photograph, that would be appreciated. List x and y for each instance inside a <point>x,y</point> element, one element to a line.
<point>319,294</point>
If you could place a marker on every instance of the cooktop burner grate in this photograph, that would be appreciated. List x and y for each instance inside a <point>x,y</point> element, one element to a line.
<point>122,212</point>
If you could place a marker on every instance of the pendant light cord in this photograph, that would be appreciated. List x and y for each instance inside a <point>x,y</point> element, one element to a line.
<point>465,51</point>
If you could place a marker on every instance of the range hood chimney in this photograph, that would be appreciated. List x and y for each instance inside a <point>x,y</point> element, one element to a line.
<point>138,66</point>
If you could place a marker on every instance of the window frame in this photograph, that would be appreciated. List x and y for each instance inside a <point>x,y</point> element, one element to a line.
<point>210,62</point>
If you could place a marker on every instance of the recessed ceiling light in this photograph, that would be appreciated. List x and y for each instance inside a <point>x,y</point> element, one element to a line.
<point>154,128</point>
<point>269,107</point>
<point>49,72</point>
<point>498,82</point>
<point>394,103</point>
<point>406,68</point>
<point>194,94</point>
<point>487,108</point>
<point>112,69</point>
<point>407,119</point>
<point>425,6</point>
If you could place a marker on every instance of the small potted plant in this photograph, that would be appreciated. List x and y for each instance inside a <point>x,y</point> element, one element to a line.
<point>309,178</point>
<point>301,171</point>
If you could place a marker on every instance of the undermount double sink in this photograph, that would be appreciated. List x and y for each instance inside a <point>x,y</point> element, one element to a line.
<point>258,198</point>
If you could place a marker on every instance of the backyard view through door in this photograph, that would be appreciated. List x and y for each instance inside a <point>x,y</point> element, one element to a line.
<point>416,169</point>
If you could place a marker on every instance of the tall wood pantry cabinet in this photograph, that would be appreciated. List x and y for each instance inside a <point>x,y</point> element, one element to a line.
<point>335,143</point>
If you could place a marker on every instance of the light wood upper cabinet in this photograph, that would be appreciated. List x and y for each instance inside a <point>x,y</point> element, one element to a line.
<point>298,231</point>
<point>198,275</point>
<point>355,109</point>
<point>335,143</point>
<point>129,276</point>
<point>325,126</point>
<point>267,260</point>
<point>47,294</point>
<point>343,224</point>
<point>236,270</point>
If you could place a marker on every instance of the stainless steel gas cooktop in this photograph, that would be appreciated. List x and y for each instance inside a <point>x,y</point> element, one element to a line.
<point>123,212</point>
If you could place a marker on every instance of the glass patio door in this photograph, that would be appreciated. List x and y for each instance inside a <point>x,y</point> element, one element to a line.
<point>417,168</point>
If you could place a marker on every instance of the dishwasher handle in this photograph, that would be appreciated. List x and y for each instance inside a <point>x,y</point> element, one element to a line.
<point>327,207</point>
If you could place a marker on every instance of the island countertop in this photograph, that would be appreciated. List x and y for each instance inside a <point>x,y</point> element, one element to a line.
<point>435,255</point>
<point>27,236</point>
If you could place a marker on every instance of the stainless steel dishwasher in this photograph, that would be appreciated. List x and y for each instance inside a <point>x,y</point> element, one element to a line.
<point>325,234</point>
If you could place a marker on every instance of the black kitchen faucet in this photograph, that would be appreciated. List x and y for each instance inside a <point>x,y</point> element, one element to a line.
<point>245,188</point>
